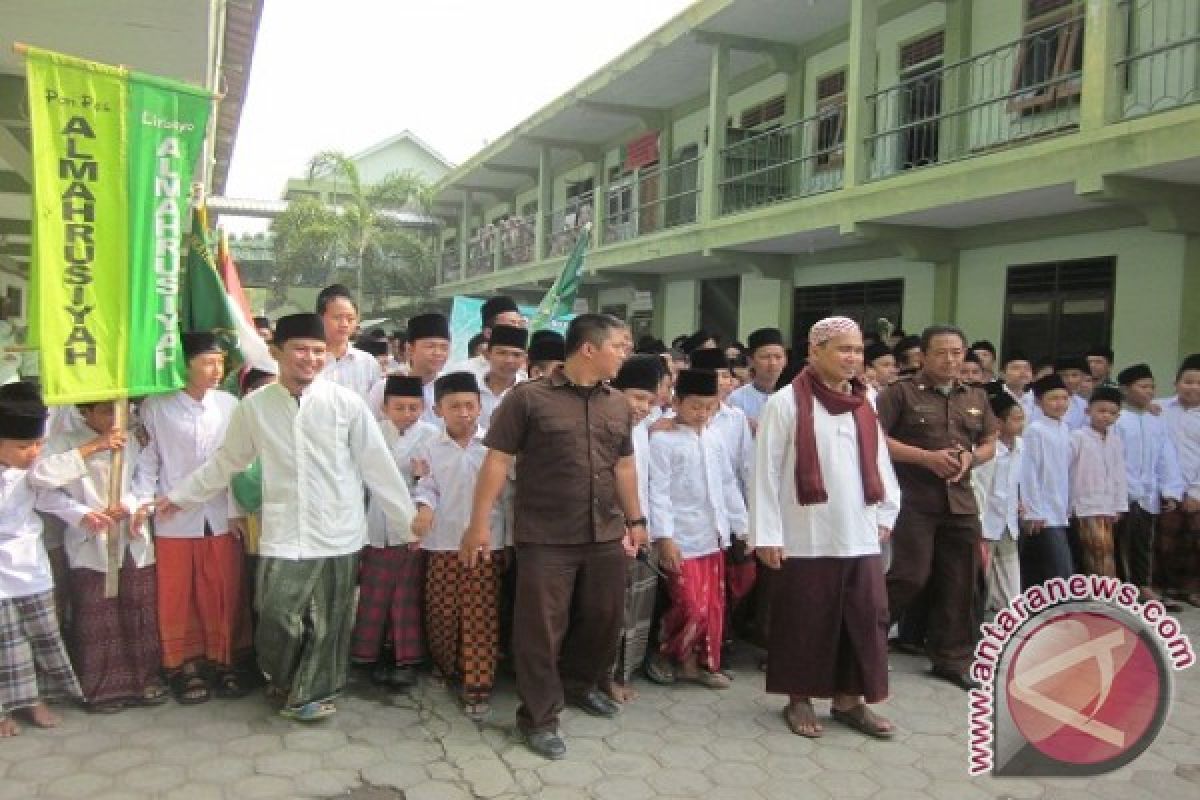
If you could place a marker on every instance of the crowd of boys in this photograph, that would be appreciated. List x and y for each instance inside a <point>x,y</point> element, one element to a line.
<point>580,506</point>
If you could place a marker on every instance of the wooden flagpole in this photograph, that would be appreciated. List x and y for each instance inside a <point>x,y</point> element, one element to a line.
<point>116,483</point>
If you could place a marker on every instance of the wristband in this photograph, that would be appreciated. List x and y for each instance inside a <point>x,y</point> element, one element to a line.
<point>633,523</point>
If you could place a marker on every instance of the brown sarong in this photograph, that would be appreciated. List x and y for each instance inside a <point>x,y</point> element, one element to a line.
<point>203,612</point>
<point>462,620</point>
<point>828,628</point>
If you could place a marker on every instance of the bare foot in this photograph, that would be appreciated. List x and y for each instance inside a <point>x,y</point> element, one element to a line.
<point>8,727</point>
<point>802,719</point>
<point>620,693</point>
<point>41,715</point>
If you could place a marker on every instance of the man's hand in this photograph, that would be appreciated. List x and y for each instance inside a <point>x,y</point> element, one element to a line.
<point>475,545</point>
<point>110,440</point>
<point>95,522</point>
<point>669,556</point>
<point>628,546</point>
<point>164,508</point>
<point>1036,525</point>
<point>137,524</point>
<point>885,533</point>
<point>771,557</point>
<point>117,513</point>
<point>237,527</point>
<point>944,463</point>
<point>965,460</point>
<point>638,536</point>
<point>423,522</point>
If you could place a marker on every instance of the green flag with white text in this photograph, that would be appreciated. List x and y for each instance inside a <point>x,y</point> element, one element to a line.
<point>113,158</point>
<point>559,300</point>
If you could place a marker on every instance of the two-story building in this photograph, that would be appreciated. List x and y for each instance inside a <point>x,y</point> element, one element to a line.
<point>1027,169</point>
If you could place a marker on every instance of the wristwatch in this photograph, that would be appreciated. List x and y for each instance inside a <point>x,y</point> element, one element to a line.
<point>633,523</point>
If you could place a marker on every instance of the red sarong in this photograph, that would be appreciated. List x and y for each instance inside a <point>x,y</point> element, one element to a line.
<point>696,620</point>
<point>202,607</point>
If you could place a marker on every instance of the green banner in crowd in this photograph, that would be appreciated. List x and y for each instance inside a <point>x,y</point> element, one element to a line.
<point>113,155</point>
<point>559,300</point>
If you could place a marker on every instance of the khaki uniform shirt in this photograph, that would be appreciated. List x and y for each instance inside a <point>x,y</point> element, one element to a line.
<point>914,412</point>
<point>567,440</point>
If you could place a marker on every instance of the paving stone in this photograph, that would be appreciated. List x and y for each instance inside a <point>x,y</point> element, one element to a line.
<point>314,741</point>
<point>222,731</point>
<point>633,765</point>
<point>898,776</point>
<point>684,782</point>
<point>256,786</point>
<point>786,744</point>
<point>90,743</point>
<point>407,752</point>
<point>154,777</point>
<point>835,758</point>
<point>460,753</point>
<point>396,776</point>
<point>221,770</point>
<point>256,744</point>
<point>286,764</point>
<point>441,772</point>
<point>436,790</point>
<point>352,757</point>
<point>622,789</point>
<point>42,768</point>
<point>565,773</point>
<point>115,762</point>
<point>634,742</point>
<point>943,789</point>
<point>119,794</point>
<point>581,725</point>
<point>17,790</point>
<point>195,791</point>
<point>527,781</point>
<point>562,793</point>
<point>686,734</point>
<point>846,784</point>
<point>326,782</point>
<point>684,756</point>
<point>22,748</point>
<point>81,784</point>
<point>185,752</point>
<point>737,749</point>
<point>798,767</point>
<point>518,756</point>
<point>733,773</point>
<point>699,716</point>
<point>487,778</point>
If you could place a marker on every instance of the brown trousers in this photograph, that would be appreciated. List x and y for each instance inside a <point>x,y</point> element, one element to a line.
<point>570,604</point>
<point>940,553</point>
<point>1178,551</point>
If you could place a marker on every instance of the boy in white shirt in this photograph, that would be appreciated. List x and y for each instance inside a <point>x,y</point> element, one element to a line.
<point>1044,549</point>
<point>504,357</point>
<point>113,640</point>
<point>1179,530</point>
<point>462,617</point>
<point>695,507</point>
<point>1099,491</point>
<point>391,579</point>
<point>638,380</point>
<point>35,663</point>
<point>996,483</point>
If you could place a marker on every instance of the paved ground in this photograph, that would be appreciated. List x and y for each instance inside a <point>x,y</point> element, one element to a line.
<point>682,742</point>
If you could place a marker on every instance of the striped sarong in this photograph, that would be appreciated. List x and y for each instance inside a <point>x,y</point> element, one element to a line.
<point>641,587</point>
<point>33,660</point>
<point>390,583</point>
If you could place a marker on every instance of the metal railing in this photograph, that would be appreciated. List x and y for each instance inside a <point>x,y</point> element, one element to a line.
<point>481,250</point>
<point>654,199</point>
<point>1022,91</point>
<point>451,269</point>
<point>565,225</point>
<point>517,240</point>
<point>794,160</point>
<point>1160,69</point>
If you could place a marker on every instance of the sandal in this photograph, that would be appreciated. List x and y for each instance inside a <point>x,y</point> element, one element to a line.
<point>154,695</point>
<point>476,710</point>
<point>863,720</point>
<point>229,686</point>
<point>659,670</point>
<point>800,713</point>
<point>309,712</point>
<point>190,688</point>
<point>109,707</point>
<point>707,679</point>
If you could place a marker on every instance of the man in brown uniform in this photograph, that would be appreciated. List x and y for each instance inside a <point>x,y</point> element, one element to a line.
<point>576,499</point>
<point>937,429</point>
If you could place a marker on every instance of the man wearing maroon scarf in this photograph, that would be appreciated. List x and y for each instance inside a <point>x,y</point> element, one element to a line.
<point>823,498</point>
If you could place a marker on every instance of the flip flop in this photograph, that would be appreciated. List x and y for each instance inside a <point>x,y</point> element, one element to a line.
<point>707,679</point>
<point>863,720</point>
<point>309,712</point>
<point>659,670</point>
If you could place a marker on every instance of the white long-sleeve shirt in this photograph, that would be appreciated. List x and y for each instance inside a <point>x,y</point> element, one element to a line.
<point>1045,471</point>
<point>74,500</point>
<point>357,370</point>
<point>1184,426</point>
<point>734,429</point>
<point>693,493</point>
<point>488,400</point>
<point>1099,487</point>
<point>1151,462</point>
<point>844,526</point>
<point>24,566</point>
<point>183,435</point>
<point>448,490</point>
<point>404,447</point>
<point>316,455</point>
<point>996,483</point>
<point>641,461</point>
<point>750,399</point>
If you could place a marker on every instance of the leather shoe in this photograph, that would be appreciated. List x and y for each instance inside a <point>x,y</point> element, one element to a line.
<point>960,679</point>
<point>547,744</point>
<point>596,703</point>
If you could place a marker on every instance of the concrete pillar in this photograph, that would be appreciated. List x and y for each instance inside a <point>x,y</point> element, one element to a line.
<point>545,198</point>
<point>860,82</point>
<point>956,84</point>
<point>600,200</point>
<point>945,291</point>
<point>718,112</point>
<point>676,308</point>
<point>759,304</point>
<point>1101,95</point>
<point>464,233</point>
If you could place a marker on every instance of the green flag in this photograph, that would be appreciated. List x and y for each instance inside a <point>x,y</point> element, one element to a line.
<point>559,301</point>
<point>113,157</point>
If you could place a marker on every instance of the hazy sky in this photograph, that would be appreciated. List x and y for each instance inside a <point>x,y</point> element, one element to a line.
<point>343,75</point>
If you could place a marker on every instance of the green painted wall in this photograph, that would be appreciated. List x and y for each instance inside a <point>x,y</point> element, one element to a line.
<point>1147,311</point>
<point>679,308</point>
<point>759,304</point>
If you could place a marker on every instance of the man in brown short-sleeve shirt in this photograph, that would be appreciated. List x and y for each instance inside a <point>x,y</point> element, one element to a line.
<point>937,429</point>
<point>569,437</point>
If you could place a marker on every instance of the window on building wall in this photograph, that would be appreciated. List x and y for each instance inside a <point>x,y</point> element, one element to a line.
<point>831,119</point>
<point>1059,308</point>
<point>1049,63</point>
<point>621,223</point>
<point>865,302</point>
<point>764,112</point>
<point>920,100</point>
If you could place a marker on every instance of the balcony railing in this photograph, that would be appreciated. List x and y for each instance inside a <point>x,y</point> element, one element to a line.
<point>794,160</point>
<point>565,225</point>
<point>451,269</point>
<point>653,200</point>
<point>1161,66</point>
<point>517,240</point>
<point>481,250</point>
<point>1014,94</point>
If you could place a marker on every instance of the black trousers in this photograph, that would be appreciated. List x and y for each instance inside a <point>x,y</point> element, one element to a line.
<point>569,609</point>
<point>1135,545</point>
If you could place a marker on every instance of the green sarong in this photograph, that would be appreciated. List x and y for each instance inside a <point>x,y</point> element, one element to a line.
<point>305,617</point>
